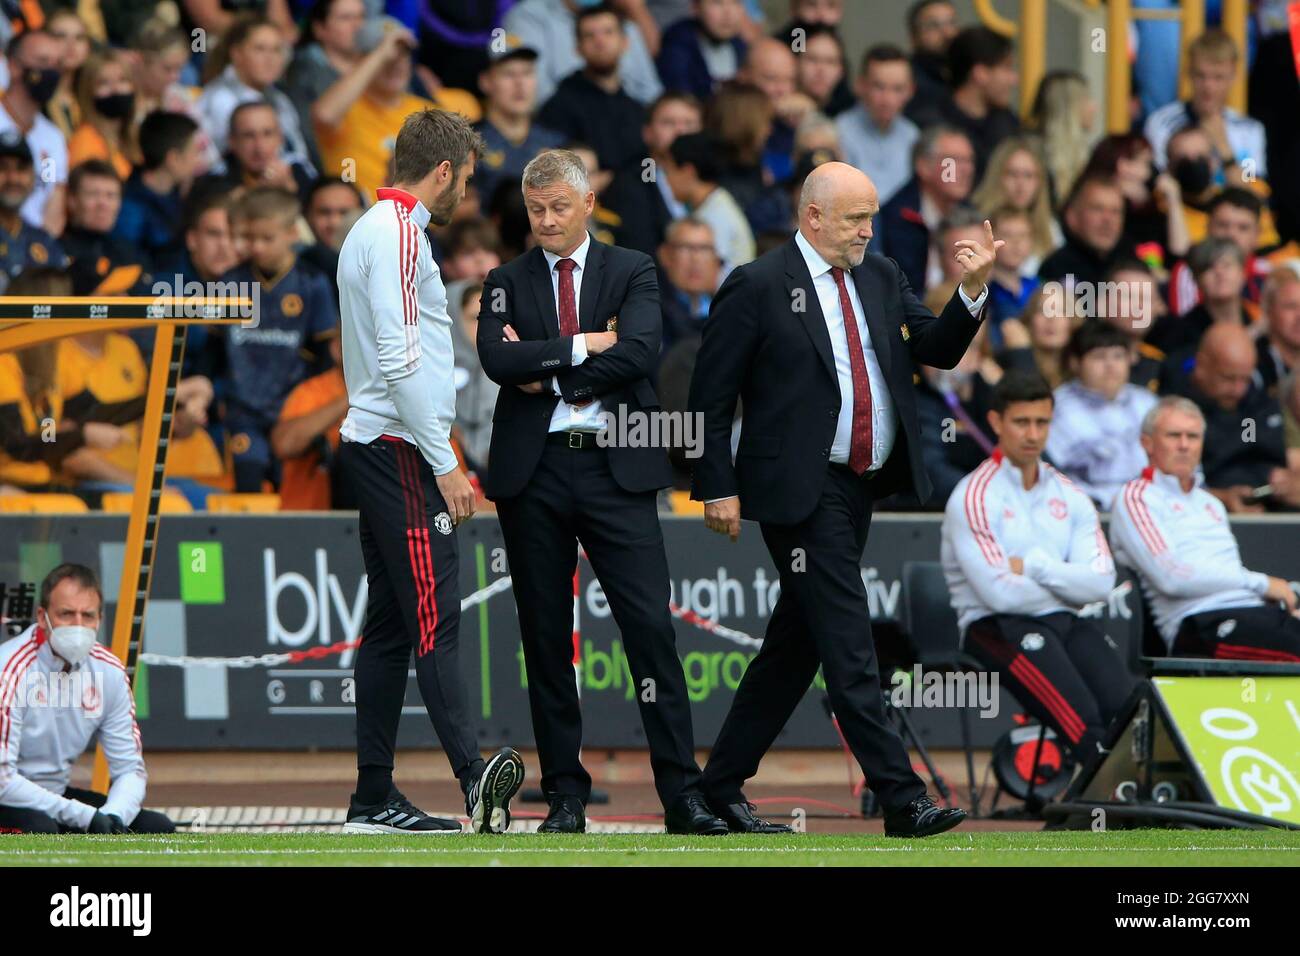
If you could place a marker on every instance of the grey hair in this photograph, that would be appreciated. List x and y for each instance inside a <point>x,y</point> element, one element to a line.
<point>1171,403</point>
<point>677,225</point>
<point>927,144</point>
<point>815,122</point>
<point>556,166</point>
<point>1202,256</point>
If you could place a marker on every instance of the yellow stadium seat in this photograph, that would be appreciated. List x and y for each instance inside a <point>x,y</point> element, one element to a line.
<point>244,503</point>
<point>171,502</point>
<point>683,505</point>
<point>42,504</point>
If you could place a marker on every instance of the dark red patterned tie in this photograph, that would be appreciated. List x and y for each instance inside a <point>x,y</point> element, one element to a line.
<point>568,302</point>
<point>860,440</point>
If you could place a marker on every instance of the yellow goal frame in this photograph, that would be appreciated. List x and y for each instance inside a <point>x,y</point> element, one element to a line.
<point>27,321</point>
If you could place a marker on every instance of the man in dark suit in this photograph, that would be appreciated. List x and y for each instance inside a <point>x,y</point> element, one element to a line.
<point>819,342</point>
<point>570,331</point>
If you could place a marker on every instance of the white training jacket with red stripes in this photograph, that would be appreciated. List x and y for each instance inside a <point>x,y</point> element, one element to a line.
<point>46,725</point>
<point>1053,527</point>
<point>398,360</point>
<point>1182,548</point>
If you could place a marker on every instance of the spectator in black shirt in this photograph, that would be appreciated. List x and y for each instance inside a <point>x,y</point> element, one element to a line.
<point>932,25</point>
<point>102,264</point>
<point>590,104</point>
<point>1219,268</point>
<point>982,70</point>
<point>639,193</point>
<point>1094,233</point>
<point>822,70</point>
<point>255,148</point>
<point>325,206</point>
<point>1244,445</point>
<point>689,272</point>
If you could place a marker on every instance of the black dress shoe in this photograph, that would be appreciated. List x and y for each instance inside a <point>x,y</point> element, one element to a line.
<point>691,814</point>
<point>566,816</point>
<point>922,818</point>
<point>740,818</point>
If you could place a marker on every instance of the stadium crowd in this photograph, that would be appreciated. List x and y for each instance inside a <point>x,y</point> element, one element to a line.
<point>147,146</point>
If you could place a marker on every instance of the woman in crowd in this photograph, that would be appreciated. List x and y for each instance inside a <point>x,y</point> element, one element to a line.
<point>740,116</point>
<point>1037,340</point>
<point>1064,114</point>
<point>161,54</point>
<point>1153,204</point>
<point>1016,178</point>
<point>106,99</point>
<point>64,25</point>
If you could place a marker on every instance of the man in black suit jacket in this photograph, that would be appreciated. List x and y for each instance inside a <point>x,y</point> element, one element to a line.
<point>571,332</point>
<point>829,426</point>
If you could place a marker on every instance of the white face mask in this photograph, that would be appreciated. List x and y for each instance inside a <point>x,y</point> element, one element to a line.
<point>72,642</point>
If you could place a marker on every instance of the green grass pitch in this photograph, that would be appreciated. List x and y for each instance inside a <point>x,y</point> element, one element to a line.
<point>1118,848</point>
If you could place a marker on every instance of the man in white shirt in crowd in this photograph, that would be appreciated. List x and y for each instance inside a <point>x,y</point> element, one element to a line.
<point>1023,554</point>
<point>60,689</point>
<point>1176,535</point>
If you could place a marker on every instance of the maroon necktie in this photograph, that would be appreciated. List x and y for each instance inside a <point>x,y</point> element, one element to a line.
<point>860,440</point>
<point>568,302</point>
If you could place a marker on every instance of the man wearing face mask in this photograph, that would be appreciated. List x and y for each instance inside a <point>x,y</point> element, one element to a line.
<point>33,58</point>
<point>21,244</point>
<point>59,690</point>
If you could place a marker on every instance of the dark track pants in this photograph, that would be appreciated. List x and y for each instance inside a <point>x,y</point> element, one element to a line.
<point>1061,668</point>
<point>572,497</point>
<point>23,820</point>
<point>1267,633</point>
<point>412,569</point>
<point>822,617</point>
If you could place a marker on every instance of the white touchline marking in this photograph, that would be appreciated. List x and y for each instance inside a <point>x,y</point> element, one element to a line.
<point>288,851</point>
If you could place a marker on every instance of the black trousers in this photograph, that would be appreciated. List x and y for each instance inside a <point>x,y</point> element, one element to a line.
<point>1267,633</point>
<point>1061,668</point>
<point>413,573</point>
<point>571,498</point>
<point>23,820</point>
<point>821,618</point>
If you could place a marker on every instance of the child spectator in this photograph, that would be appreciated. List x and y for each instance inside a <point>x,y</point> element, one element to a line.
<point>151,202</point>
<point>1009,288</point>
<point>1098,417</point>
<point>265,361</point>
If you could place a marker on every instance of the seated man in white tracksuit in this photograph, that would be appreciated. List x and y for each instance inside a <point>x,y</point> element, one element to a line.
<point>1023,552</point>
<point>60,689</point>
<point>1176,536</point>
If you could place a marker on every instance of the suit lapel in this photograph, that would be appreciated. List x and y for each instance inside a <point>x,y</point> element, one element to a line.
<point>799,285</point>
<point>540,280</point>
<point>872,298</point>
<point>593,273</point>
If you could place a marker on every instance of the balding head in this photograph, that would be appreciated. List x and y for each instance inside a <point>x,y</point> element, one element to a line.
<point>771,67</point>
<point>836,207</point>
<point>1225,364</point>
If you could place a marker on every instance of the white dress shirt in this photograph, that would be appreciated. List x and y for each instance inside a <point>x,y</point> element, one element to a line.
<point>884,420</point>
<point>568,417</point>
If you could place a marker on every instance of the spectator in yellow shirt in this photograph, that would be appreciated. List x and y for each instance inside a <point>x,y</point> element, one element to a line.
<point>358,117</point>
